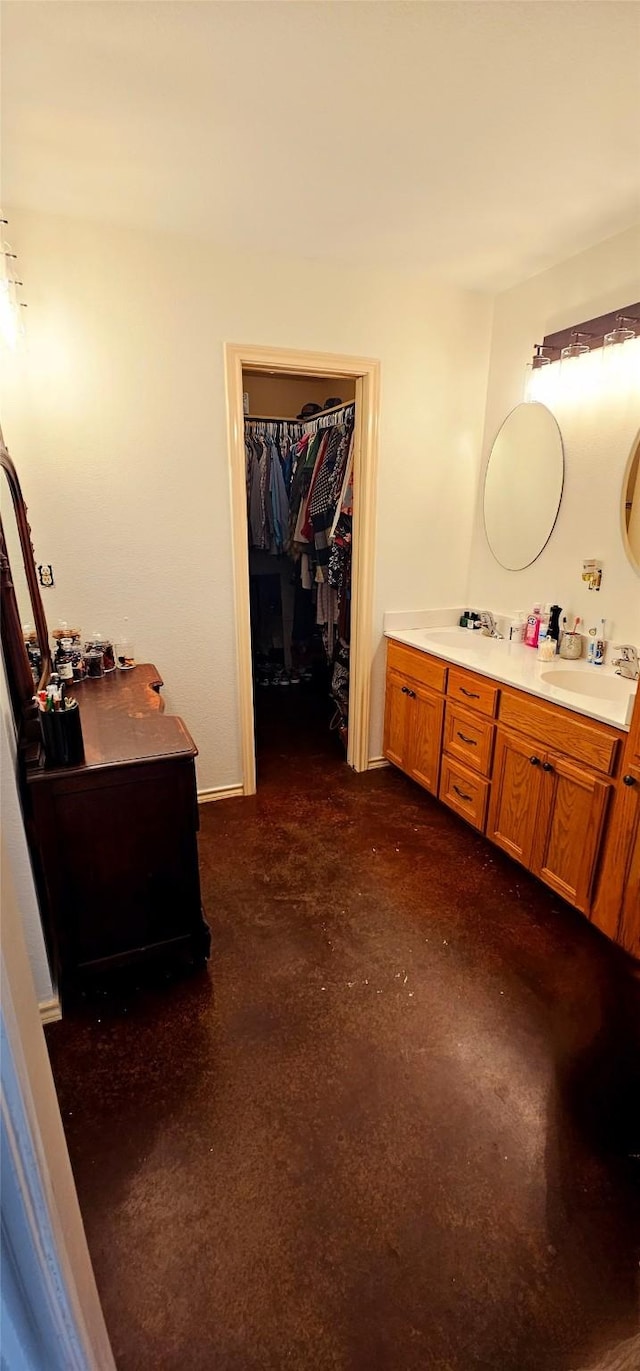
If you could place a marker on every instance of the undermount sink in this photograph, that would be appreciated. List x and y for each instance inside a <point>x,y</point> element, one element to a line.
<point>613,688</point>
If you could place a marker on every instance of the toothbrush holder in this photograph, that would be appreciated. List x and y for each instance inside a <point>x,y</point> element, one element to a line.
<point>571,646</point>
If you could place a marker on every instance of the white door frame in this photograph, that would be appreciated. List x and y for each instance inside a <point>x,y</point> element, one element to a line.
<point>51,1310</point>
<point>366,371</point>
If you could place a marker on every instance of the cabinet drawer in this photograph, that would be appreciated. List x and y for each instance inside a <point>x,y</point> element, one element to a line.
<point>468,738</point>
<point>552,726</point>
<point>465,792</point>
<point>430,671</point>
<point>474,692</point>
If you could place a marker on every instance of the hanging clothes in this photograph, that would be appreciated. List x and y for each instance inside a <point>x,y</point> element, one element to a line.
<point>300,502</point>
<point>269,449</point>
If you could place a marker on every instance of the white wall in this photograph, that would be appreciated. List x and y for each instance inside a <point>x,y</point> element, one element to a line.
<point>19,874</point>
<point>598,433</point>
<point>119,436</point>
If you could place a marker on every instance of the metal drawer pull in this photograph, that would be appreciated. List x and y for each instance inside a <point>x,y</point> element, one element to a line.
<point>471,741</point>
<point>535,761</point>
<point>468,798</point>
<point>546,766</point>
<point>471,695</point>
<point>629,780</point>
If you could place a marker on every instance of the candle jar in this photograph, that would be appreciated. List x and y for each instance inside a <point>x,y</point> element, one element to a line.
<point>94,659</point>
<point>99,643</point>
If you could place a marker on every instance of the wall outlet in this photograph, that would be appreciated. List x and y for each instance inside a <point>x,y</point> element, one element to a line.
<point>45,575</point>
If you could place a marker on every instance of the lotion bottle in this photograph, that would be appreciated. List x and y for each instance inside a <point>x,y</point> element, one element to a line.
<point>516,632</point>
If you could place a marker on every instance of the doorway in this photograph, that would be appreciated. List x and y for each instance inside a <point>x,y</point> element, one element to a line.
<point>280,383</point>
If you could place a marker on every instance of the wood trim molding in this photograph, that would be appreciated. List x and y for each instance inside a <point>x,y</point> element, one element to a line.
<point>366,370</point>
<point>50,1010</point>
<point>223,792</point>
<point>376,762</point>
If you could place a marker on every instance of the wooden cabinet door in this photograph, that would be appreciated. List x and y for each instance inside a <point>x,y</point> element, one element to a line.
<point>426,718</point>
<point>396,719</point>
<point>569,828</point>
<point>515,794</point>
<point>629,796</point>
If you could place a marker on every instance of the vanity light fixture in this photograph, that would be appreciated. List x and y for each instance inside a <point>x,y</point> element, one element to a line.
<point>620,334</point>
<point>535,375</point>
<point>621,355</point>
<point>576,348</point>
<point>599,358</point>
<point>575,377</point>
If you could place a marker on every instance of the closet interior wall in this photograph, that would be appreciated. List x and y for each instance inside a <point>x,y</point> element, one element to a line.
<point>299,519</point>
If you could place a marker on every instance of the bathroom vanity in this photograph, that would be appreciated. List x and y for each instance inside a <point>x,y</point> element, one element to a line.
<point>551,776</point>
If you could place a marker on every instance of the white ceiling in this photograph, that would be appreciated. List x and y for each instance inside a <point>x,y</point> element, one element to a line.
<point>479,142</point>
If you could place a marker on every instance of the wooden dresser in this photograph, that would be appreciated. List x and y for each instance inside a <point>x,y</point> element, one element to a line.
<point>114,840</point>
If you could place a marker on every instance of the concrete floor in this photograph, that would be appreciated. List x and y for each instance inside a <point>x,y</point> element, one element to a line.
<point>390,1128</point>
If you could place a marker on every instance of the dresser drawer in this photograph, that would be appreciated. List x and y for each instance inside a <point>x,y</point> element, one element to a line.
<point>475,692</point>
<point>429,671</point>
<point>465,792</point>
<point>550,725</point>
<point>468,738</point>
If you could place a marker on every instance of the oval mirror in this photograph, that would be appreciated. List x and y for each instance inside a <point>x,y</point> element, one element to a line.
<point>631,507</point>
<point>523,486</point>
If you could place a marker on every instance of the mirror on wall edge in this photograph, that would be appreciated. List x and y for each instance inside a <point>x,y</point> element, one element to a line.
<point>631,507</point>
<point>523,486</point>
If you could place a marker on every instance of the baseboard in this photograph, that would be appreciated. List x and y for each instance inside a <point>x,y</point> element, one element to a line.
<point>224,792</point>
<point>375,762</point>
<point>50,1010</point>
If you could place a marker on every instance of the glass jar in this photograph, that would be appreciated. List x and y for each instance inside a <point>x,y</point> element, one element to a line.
<point>94,659</point>
<point>100,643</point>
<point>125,655</point>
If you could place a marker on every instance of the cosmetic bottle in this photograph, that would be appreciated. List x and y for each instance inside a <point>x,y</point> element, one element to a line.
<point>516,631</point>
<point>532,627</point>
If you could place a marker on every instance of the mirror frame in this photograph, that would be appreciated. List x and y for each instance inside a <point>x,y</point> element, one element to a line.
<point>632,560</point>
<point>507,416</point>
<point>19,677</point>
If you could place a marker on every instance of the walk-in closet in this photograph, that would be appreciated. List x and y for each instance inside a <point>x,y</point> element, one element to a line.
<point>299,444</point>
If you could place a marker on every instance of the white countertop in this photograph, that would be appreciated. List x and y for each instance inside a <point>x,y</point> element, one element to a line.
<point>516,665</point>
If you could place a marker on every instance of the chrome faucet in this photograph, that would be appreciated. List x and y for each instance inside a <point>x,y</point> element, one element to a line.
<point>627,664</point>
<point>489,626</point>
